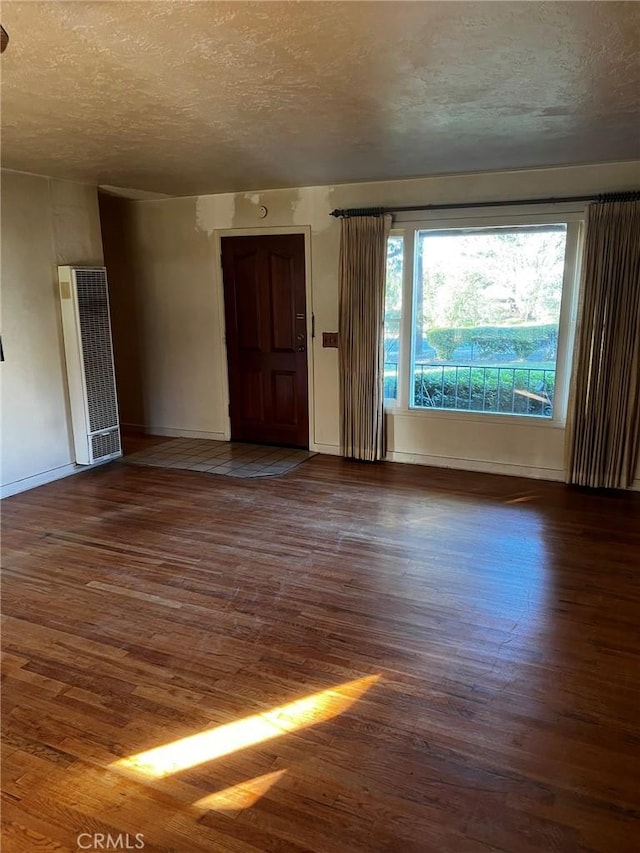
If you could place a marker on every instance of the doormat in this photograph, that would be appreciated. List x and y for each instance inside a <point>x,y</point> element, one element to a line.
<point>231,459</point>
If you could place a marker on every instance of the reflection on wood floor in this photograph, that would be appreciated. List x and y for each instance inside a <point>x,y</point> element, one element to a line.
<point>350,658</point>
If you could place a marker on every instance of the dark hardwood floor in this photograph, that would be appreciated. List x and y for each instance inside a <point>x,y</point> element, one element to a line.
<point>466,647</point>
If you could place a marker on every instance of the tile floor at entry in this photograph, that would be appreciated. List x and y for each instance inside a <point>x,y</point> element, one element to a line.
<point>231,459</point>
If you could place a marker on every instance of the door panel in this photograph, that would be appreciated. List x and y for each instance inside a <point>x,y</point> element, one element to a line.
<point>284,397</point>
<point>252,396</point>
<point>248,309</point>
<point>282,305</point>
<point>266,328</point>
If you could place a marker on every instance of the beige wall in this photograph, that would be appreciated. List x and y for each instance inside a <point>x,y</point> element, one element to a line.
<point>173,254</point>
<point>164,317</point>
<point>44,223</point>
<point>126,307</point>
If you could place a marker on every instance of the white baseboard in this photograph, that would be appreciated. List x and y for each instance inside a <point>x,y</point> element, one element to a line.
<point>14,488</point>
<point>330,449</point>
<point>38,479</point>
<point>479,465</point>
<point>174,432</point>
<point>9,489</point>
<point>459,464</point>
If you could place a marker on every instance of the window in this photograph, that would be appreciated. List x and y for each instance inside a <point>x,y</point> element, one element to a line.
<point>489,318</point>
<point>393,315</point>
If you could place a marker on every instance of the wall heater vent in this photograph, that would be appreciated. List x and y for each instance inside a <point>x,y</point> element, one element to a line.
<point>89,355</point>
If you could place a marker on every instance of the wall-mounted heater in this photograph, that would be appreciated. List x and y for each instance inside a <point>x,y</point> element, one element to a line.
<point>89,355</point>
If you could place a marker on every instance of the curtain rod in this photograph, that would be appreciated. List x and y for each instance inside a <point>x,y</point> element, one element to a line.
<point>631,195</point>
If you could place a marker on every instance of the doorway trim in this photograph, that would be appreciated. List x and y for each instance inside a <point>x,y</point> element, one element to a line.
<point>305,231</point>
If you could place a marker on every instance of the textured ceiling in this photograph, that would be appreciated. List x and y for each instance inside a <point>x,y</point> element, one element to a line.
<point>197,97</point>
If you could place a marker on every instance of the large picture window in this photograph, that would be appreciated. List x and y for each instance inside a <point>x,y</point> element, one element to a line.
<point>487,331</point>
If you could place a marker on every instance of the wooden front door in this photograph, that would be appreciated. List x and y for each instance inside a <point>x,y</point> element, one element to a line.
<point>266,323</point>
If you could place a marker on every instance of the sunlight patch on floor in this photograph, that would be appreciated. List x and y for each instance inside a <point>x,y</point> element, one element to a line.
<point>241,796</point>
<point>207,745</point>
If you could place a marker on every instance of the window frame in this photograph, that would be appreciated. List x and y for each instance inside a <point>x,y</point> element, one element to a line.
<point>571,215</point>
<point>389,402</point>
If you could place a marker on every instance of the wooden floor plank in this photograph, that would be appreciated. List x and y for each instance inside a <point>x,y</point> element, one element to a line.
<point>142,606</point>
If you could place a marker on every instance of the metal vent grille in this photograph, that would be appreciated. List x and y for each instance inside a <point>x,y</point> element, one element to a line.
<point>97,356</point>
<point>105,444</point>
